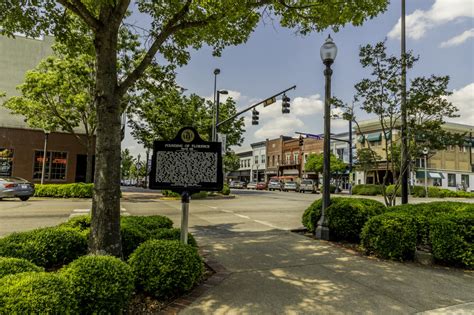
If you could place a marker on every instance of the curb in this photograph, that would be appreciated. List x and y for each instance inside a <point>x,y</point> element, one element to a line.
<point>220,274</point>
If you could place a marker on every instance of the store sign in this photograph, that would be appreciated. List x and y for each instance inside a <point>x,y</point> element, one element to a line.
<point>186,163</point>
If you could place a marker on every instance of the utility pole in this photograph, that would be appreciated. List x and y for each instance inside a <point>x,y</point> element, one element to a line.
<point>403,108</point>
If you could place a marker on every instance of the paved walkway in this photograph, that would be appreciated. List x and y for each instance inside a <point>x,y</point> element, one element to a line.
<point>278,272</point>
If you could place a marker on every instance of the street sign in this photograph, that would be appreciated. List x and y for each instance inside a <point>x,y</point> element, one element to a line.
<point>186,164</point>
<point>269,101</point>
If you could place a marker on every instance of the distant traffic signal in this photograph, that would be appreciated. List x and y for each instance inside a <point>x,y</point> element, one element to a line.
<point>255,114</point>
<point>301,141</point>
<point>285,104</point>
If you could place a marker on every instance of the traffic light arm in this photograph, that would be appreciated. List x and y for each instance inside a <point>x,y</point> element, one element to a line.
<point>255,105</point>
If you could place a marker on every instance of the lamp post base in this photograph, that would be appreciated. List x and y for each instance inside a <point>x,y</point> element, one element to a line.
<point>322,232</point>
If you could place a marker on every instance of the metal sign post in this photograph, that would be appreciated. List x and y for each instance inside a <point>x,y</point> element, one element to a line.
<point>186,165</point>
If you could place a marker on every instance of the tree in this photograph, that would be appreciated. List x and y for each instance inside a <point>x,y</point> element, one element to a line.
<point>366,160</point>
<point>315,163</point>
<point>59,95</point>
<point>176,26</point>
<point>231,162</point>
<point>380,95</point>
<point>127,161</point>
<point>160,116</point>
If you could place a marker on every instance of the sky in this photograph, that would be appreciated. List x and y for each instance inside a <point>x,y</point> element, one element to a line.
<point>440,32</point>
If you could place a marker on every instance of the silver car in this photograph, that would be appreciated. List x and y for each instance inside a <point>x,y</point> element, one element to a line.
<point>252,185</point>
<point>274,185</point>
<point>291,186</point>
<point>16,187</point>
<point>307,185</point>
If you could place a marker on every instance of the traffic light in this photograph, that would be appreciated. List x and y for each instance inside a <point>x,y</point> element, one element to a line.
<point>255,114</point>
<point>301,141</point>
<point>285,104</point>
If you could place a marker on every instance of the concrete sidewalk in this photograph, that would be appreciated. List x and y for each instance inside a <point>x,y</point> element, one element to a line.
<point>277,272</point>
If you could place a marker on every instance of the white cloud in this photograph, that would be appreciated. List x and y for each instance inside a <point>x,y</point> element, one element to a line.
<point>459,39</point>
<point>283,125</point>
<point>463,99</point>
<point>442,11</point>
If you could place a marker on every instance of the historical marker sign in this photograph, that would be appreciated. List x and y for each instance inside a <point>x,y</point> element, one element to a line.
<point>186,163</point>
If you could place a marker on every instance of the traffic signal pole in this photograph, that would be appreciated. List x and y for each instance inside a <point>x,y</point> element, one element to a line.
<point>267,101</point>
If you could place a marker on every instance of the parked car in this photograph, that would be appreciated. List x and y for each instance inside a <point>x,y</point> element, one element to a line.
<point>16,187</point>
<point>308,185</point>
<point>237,184</point>
<point>274,185</point>
<point>291,186</point>
<point>252,185</point>
<point>261,186</point>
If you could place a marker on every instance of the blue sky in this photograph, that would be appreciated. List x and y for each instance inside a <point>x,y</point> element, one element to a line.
<point>441,32</point>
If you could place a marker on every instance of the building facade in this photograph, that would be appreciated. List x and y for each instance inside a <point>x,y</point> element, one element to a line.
<point>257,173</point>
<point>21,147</point>
<point>244,171</point>
<point>452,168</point>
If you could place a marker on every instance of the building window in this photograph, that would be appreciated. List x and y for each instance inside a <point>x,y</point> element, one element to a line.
<point>288,157</point>
<point>420,163</point>
<point>256,159</point>
<point>55,167</point>
<point>306,158</point>
<point>6,162</point>
<point>295,157</point>
<point>273,160</point>
<point>262,158</point>
<point>340,154</point>
<point>451,180</point>
<point>465,181</point>
<point>437,182</point>
<point>278,160</point>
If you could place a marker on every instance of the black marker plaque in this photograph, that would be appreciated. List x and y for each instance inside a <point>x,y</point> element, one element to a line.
<point>186,163</point>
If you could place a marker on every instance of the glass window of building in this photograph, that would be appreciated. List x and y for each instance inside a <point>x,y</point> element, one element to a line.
<point>295,157</point>
<point>465,181</point>
<point>55,165</point>
<point>256,159</point>
<point>273,160</point>
<point>262,158</point>
<point>340,153</point>
<point>288,157</point>
<point>451,180</point>
<point>6,162</point>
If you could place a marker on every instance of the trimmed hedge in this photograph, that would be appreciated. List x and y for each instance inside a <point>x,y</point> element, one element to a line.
<point>445,227</point>
<point>75,190</point>
<point>225,190</point>
<point>101,284</point>
<point>390,235</point>
<point>46,247</point>
<point>36,293</point>
<point>346,216</point>
<point>367,190</point>
<point>174,235</point>
<point>10,266</point>
<point>166,268</point>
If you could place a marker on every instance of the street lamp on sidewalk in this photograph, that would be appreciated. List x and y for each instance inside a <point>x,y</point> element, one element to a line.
<point>218,101</point>
<point>328,53</point>
<point>43,169</point>
<point>217,71</point>
<point>425,153</point>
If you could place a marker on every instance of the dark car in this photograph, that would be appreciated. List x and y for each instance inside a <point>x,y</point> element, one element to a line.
<point>16,187</point>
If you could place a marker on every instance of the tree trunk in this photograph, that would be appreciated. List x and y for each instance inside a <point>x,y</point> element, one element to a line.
<point>105,225</point>
<point>90,158</point>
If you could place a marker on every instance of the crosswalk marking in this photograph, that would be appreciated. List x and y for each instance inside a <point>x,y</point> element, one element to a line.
<point>79,212</point>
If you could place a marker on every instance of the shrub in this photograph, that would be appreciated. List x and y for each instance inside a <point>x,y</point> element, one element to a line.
<point>166,268</point>
<point>101,284</point>
<point>367,190</point>
<point>10,266</point>
<point>199,195</point>
<point>332,188</point>
<point>133,234</point>
<point>80,223</point>
<point>347,216</point>
<point>36,293</point>
<point>391,235</point>
<point>75,190</point>
<point>173,234</point>
<point>46,247</point>
<point>452,238</point>
<point>312,214</point>
<point>169,193</point>
<point>225,190</point>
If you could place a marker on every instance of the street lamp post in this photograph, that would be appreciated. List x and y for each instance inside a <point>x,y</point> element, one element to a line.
<point>214,131</point>
<point>218,101</point>
<point>328,53</point>
<point>425,153</point>
<point>43,169</point>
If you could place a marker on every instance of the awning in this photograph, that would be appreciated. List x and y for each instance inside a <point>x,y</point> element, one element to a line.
<point>374,137</point>
<point>430,175</point>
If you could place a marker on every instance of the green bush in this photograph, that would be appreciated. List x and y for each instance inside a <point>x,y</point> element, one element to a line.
<point>36,293</point>
<point>46,247</point>
<point>199,195</point>
<point>452,238</point>
<point>347,216</point>
<point>225,190</point>
<point>312,214</point>
<point>391,235</point>
<point>166,268</point>
<point>367,190</point>
<point>133,234</point>
<point>169,193</point>
<point>101,284</point>
<point>80,223</point>
<point>150,223</point>
<point>332,188</point>
<point>173,235</point>
<point>10,266</point>
<point>75,190</point>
